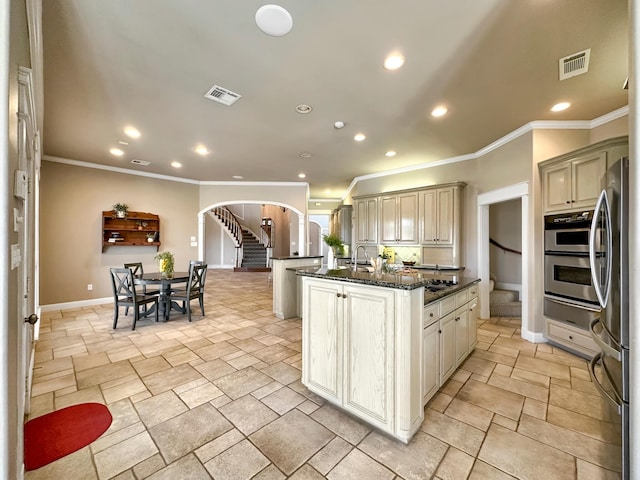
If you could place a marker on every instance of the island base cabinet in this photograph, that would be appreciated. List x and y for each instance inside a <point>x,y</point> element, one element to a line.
<point>361,350</point>
<point>322,339</point>
<point>368,354</point>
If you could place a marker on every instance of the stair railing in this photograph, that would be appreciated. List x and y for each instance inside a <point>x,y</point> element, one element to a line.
<point>506,249</point>
<point>230,223</point>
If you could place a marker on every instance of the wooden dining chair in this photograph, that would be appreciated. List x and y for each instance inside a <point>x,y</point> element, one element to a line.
<point>125,295</point>
<point>194,289</point>
<point>138,271</point>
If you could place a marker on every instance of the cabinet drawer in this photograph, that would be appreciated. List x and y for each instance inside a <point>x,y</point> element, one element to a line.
<point>473,291</point>
<point>462,297</point>
<point>430,314</point>
<point>447,304</point>
<point>571,338</point>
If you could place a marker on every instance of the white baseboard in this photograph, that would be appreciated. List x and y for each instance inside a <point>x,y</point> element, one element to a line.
<point>76,304</point>
<point>533,337</point>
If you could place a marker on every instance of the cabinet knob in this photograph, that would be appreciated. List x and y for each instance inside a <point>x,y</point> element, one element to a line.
<point>570,337</point>
<point>431,314</point>
<point>568,201</point>
<point>338,295</point>
<point>439,331</point>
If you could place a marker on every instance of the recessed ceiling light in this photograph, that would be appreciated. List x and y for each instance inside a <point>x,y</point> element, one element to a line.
<point>393,61</point>
<point>301,175</point>
<point>274,20</point>
<point>237,177</point>
<point>390,153</point>
<point>116,151</point>
<point>359,137</point>
<point>176,164</point>
<point>122,142</point>
<point>202,150</point>
<point>559,107</point>
<point>132,132</point>
<point>303,108</point>
<point>317,204</point>
<point>338,125</point>
<point>305,155</point>
<point>439,111</point>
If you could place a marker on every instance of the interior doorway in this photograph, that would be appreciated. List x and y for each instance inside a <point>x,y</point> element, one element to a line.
<point>512,192</point>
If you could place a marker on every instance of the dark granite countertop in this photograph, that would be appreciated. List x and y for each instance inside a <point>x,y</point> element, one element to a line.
<point>294,257</point>
<point>400,280</point>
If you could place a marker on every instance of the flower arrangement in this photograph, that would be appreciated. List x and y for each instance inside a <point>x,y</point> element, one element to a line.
<point>165,263</point>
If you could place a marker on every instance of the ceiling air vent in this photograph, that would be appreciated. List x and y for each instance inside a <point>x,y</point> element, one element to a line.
<point>144,163</point>
<point>222,95</point>
<point>575,64</point>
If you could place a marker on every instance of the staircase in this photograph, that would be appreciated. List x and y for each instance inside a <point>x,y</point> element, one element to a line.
<point>504,303</point>
<point>254,256</point>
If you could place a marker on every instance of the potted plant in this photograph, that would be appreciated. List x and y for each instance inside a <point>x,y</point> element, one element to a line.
<point>121,209</point>
<point>141,224</point>
<point>165,263</point>
<point>151,236</point>
<point>337,247</point>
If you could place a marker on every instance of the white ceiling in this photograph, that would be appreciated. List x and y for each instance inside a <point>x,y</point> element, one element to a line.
<point>148,63</point>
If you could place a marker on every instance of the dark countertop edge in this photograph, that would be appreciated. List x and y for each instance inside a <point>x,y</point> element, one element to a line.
<point>401,282</point>
<point>295,269</point>
<point>294,257</point>
<point>430,297</point>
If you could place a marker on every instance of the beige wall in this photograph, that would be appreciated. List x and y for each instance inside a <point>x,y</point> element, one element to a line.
<point>288,195</point>
<point>72,201</point>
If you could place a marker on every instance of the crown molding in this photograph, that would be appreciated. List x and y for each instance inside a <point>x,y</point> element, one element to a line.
<point>529,127</point>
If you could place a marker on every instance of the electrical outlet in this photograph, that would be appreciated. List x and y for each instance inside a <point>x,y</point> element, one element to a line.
<point>89,286</point>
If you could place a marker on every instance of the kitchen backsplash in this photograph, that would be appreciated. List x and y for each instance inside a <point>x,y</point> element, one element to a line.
<point>402,253</point>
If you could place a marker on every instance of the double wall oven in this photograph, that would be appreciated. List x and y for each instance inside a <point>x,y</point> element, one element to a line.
<point>570,295</point>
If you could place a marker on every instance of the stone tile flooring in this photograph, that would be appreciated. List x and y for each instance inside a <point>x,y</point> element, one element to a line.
<point>221,398</point>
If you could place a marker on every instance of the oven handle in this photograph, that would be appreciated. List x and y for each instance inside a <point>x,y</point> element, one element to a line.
<point>592,373</point>
<point>608,347</point>
<point>572,304</point>
<point>603,201</point>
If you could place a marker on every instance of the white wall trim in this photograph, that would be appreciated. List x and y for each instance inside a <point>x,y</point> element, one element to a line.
<point>76,304</point>
<point>511,192</point>
<point>532,337</point>
<point>509,137</point>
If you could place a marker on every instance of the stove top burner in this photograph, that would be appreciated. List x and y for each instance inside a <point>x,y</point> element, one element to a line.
<point>438,284</point>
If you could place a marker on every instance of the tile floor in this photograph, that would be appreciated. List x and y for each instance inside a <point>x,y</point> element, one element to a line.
<point>221,398</point>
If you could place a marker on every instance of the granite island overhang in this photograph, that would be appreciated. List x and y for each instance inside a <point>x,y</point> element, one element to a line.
<point>375,344</point>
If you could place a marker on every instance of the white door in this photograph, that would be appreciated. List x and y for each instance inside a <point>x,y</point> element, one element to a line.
<point>23,253</point>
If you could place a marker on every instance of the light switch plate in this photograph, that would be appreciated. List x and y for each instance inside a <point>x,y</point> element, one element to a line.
<point>193,239</point>
<point>194,244</point>
<point>20,186</point>
<point>16,256</point>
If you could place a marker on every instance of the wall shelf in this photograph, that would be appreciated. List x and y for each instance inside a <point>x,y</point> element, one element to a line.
<point>130,231</point>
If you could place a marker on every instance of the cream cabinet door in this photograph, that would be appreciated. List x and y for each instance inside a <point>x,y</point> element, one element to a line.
<point>407,223</point>
<point>322,337</point>
<point>447,346</point>
<point>369,353</point>
<point>366,221</point>
<point>473,323</point>
<point>437,219</point>
<point>586,183</point>
<point>462,333</point>
<point>399,218</point>
<point>430,361</point>
<point>389,219</point>
<point>557,187</point>
<point>445,216</point>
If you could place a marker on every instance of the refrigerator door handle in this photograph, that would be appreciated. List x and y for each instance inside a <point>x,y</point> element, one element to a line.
<point>602,291</point>
<point>604,340</point>
<point>615,402</point>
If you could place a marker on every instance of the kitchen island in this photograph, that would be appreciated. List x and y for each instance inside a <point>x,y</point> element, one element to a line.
<point>286,298</point>
<point>380,345</point>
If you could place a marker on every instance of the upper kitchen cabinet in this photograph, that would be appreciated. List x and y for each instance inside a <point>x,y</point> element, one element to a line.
<point>366,230</point>
<point>341,223</point>
<point>573,181</point>
<point>399,218</point>
<point>440,214</point>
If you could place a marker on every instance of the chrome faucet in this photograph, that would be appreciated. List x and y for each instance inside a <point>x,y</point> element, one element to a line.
<point>355,261</point>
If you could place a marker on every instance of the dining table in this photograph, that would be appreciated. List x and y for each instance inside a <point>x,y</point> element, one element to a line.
<point>165,305</point>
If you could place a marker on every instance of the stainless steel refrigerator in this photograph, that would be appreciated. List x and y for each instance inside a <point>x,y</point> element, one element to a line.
<point>609,259</point>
